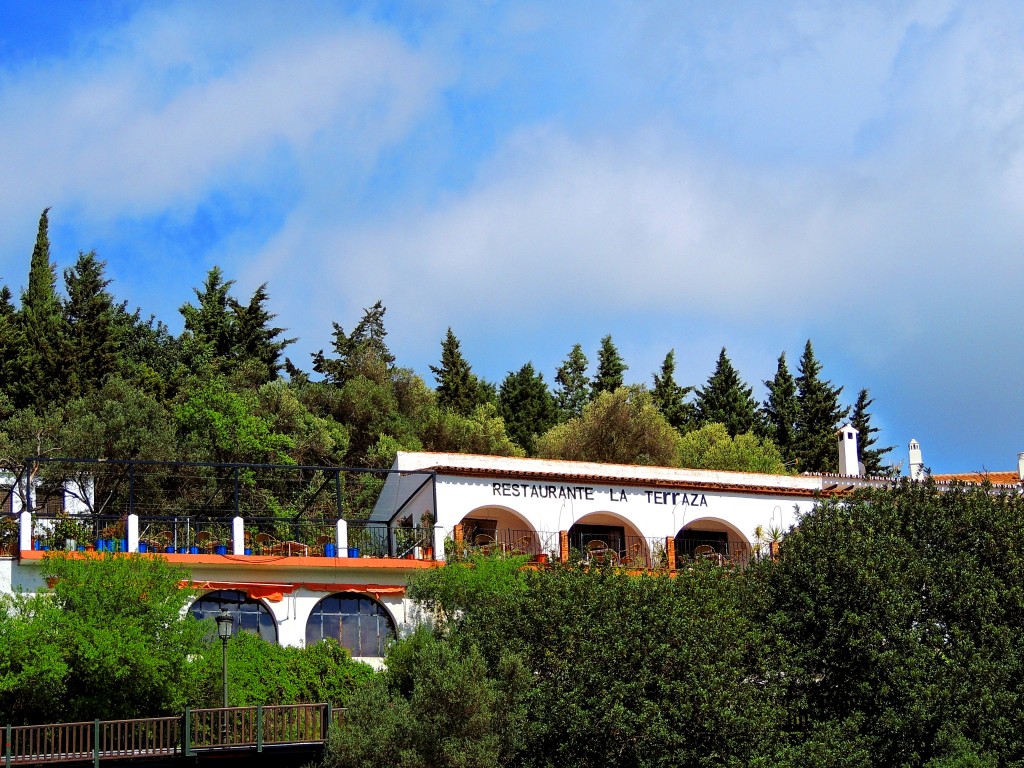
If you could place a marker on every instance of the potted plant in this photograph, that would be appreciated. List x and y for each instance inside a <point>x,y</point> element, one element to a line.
<point>70,532</point>
<point>9,534</point>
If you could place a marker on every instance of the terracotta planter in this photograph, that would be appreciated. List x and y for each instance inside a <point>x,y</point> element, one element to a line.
<point>542,558</point>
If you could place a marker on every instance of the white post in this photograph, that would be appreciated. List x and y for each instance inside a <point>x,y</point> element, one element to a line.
<point>342,536</point>
<point>26,530</point>
<point>438,542</point>
<point>238,536</point>
<point>133,533</point>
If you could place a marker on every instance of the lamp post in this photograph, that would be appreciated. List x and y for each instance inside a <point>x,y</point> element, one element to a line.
<point>224,625</point>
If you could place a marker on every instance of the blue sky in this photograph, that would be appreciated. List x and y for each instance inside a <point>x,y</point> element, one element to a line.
<point>679,175</point>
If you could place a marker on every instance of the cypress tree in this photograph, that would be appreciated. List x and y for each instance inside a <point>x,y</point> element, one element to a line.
<point>8,345</point>
<point>818,417</point>
<point>41,334</point>
<point>779,412</point>
<point>610,367</point>
<point>458,390</point>
<point>573,390</point>
<point>860,419</point>
<point>669,397</point>
<point>212,323</point>
<point>726,399</point>
<point>92,323</point>
<point>361,353</point>
<point>255,338</point>
<point>527,406</point>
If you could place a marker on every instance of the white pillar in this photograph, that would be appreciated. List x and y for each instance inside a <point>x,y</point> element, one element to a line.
<point>133,533</point>
<point>438,542</point>
<point>26,530</point>
<point>237,536</point>
<point>342,536</point>
<point>848,464</point>
<point>916,462</point>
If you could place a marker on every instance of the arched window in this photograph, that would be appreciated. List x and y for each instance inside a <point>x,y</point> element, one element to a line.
<point>249,615</point>
<point>359,623</point>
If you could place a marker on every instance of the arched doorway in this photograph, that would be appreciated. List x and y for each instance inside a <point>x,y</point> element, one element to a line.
<point>247,614</point>
<point>357,621</point>
<point>606,535</point>
<point>712,539</point>
<point>497,528</point>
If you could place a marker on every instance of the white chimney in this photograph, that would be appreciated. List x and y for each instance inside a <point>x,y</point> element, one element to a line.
<point>848,464</point>
<point>1020,467</point>
<point>916,463</point>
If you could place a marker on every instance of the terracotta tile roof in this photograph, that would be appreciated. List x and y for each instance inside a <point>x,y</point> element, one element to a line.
<point>996,478</point>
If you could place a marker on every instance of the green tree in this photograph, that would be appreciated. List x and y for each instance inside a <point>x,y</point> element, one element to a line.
<point>860,419</point>
<point>527,406</point>
<point>779,411</point>
<point>818,417</point>
<point>610,367</point>
<point>711,447</point>
<point>41,331</point>
<point>621,427</point>
<point>726,399</point>
<point>360,353</point>
<point>573,391</point>
<point>669,397</point>
<point>8,345</point>
<point>212,323</point>
<point>94,330</point>
<point>256,339</point>
<point>482,432</point>
<point>107,642</point>
<point>458,388</point>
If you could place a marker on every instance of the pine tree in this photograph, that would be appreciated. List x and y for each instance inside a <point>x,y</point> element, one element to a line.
<point>41,333</point>
<point>92,322</point>
<point>669,397</point>
<point>8,345</point>
<point>458,390</point>
<point>255,338</point>
<point>860,419</point>
<point>726,399</point>
<point>361,353</point>
<point>818,417</point>
<point>610,367</point>
<point>779,412</point>
<point>212,323</point>
<point>527,406</point>
<point>573,390</point>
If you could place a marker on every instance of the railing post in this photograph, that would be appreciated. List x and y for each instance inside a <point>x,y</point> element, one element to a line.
<point>563,546</point>
<point>670,552</point>
<point>186,734</point>
<point>96,744</point>
<point>259,727</point>
<point>327,721</point>
<point>438,542</point>
<point>7,747</point>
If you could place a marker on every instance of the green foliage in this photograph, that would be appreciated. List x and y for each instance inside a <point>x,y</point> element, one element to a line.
<point>362,353</point>
<point>573,391</point>
<point>455,590</point>
<point>711,447</point>
<point>610,367</point>
<point>818,417</point>
<point>621,427</point>
<point>108,642</point>
<point>92,325</point>
<point>482,432</point>
<point>255,339</point>
<point>527,406</point>
<point>726,399</point>
<point>779,412</point>
<point>669,397</point>
<point>458,388</point>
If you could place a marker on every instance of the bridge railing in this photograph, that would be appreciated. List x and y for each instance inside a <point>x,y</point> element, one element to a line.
<point>198,730</point>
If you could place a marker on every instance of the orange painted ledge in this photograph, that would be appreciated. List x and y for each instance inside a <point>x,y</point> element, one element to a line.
<point>272,561</point>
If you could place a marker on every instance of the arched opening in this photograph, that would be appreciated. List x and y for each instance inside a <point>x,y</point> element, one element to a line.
<point>605,535</point>
<point>248,615</point>
<point>712,539</point>
<point>496,528</point>
<point>357,621</point>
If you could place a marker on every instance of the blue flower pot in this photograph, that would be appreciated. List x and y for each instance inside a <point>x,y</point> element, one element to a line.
<point>248,550</point>
<point>330,550</point>
<point>143,547</point>
<point>220,549</point>
<point>193,550</point>
<point>353,551</point>
<point>169,550</point>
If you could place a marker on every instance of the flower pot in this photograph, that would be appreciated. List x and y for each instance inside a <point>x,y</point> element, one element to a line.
<point>169,549</point>
<point>143,547</point>
<point>330,550</point>
<point>248,550</point>
<point>353,551</point>
<point>541,558</point>
<point>193,550</point>
<point>220,549</point>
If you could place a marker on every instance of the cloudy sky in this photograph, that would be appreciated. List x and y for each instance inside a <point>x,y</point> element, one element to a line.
<point>686,175</point>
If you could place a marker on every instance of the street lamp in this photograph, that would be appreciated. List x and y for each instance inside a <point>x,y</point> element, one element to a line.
<point>224,625</point>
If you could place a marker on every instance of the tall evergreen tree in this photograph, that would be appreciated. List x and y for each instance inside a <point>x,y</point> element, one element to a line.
<point>527,406</point>
<point>726,399</point>
<point>363,352</point>
<point>92,322</point>
<point>255,337</point>
<point>212,322</point>
<point>860,419</point>
<point>779,412</point>
<point>8,345</point>
<point>573,390</point>
<point>458,389</point>
<point>41,334</point>
<point>610,367</point>
<point>669,397</point>
<point>818,417</point>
